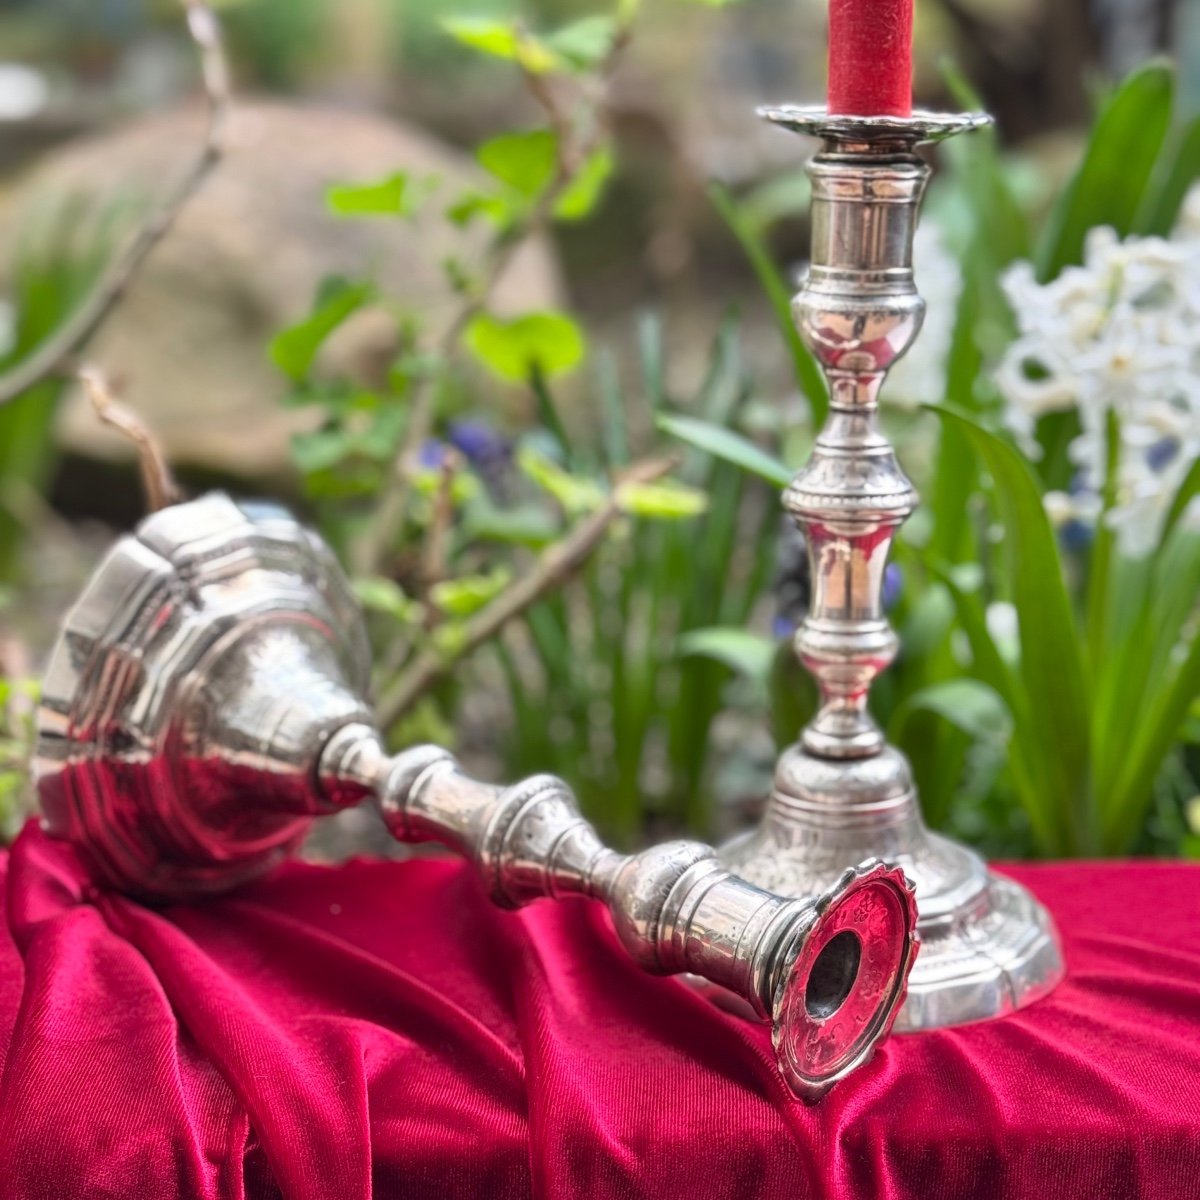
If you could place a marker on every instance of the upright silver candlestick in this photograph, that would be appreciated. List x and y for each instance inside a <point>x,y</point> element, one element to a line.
<point>205,703</point>
<point>840,794</point>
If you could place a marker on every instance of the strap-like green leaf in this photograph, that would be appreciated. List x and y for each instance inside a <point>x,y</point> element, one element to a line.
<point>1111,184</point>
<point>1051,666</point>
<point>727,445</point>
<point>808,375</point>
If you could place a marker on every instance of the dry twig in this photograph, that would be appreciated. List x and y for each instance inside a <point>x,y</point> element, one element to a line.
<point>437,536</point>
<point>554,566</point>
<point>157,479</point>
<point>53,355</point>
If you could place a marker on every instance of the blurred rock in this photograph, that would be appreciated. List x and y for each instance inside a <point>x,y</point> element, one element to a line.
<point>188,344</point>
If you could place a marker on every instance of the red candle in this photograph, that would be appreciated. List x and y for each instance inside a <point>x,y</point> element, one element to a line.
<point>870,57</point>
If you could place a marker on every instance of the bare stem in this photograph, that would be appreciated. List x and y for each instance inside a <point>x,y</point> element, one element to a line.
<point>437,536</point>
<point>157,479</point>
<point>51,357</point>
<point>554,566</point>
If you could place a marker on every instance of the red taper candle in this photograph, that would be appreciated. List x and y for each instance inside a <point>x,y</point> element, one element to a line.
<point>870,57</point>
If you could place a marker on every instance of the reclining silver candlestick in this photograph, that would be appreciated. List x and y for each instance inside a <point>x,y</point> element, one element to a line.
<point>205,702</point>
<point>841,794</point>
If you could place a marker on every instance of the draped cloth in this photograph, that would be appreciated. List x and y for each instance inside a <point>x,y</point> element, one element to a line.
<point>379,1029</point>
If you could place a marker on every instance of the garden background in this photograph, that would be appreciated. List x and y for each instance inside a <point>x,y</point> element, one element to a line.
<point>496,294</point>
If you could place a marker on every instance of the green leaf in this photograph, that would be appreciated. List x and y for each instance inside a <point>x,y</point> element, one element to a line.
<point>1110,185</point>
<point>1178,169</point>
<point>580,197</point>
<point>387,597</point>
<point>808,374</point>
<point>295,350</point>
<point>751,654</point>
<point>967,704</point>
<point>462,597</point>
<point>500,210</point>
<point>585,43</point>
<point>312,452</point>
<point>504,39</point>
<point>728,446</point>
<point>548,342</point>
<point>1158,729</point>
<point>1189,489</point>
<point>1057,739</point>
<point>526,525</point>
<point>526,162</point>
<point>661,501</point>
<point>386,198</point>
<point>576,495</point>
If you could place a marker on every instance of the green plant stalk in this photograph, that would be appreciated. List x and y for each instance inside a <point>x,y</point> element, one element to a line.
<point>1100,567</point>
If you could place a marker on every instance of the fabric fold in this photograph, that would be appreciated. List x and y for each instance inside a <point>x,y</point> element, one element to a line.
<point>381,1030</point>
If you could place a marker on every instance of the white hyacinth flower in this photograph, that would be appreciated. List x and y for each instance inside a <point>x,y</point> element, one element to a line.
<point>1119,334</point>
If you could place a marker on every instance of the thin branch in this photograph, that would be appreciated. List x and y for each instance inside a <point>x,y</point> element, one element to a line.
<point>437,536</point>
<point>51,357</point>
<point>157,480</point>
<point>554,566</point>
<point>369,554</point>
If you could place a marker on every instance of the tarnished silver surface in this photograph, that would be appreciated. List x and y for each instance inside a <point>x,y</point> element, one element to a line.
<point>204,704</point>
<point>841,794</point>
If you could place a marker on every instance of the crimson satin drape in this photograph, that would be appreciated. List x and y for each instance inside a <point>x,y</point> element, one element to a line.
<point>381,1030</point>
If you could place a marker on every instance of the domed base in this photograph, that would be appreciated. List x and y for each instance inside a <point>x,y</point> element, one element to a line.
<point>987,946</point>
<point>983,960</point>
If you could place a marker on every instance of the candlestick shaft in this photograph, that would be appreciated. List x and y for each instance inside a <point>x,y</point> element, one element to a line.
<point>673,906</point>
<point>858,312</point>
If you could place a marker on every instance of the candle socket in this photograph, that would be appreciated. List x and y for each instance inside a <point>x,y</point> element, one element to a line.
<point>842,793</point>
<point>205,702</point>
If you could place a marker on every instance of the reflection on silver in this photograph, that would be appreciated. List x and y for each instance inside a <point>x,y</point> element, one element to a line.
<point>841,794</point>
<point>204,704</point>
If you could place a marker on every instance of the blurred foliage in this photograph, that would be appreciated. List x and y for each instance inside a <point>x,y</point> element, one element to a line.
<point>597,688</point>
<point>53,267</point>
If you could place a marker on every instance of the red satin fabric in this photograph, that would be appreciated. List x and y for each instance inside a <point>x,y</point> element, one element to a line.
<point>381,1030</point>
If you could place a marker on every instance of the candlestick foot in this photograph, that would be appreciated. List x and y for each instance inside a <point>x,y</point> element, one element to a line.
<point>987,946</point>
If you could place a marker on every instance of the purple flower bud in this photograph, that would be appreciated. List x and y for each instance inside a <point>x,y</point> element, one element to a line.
<point>1164,452</point>
<point>433,454</point>
<point>1076,536</point>
<point>479,443</point>
<point>893,586</point>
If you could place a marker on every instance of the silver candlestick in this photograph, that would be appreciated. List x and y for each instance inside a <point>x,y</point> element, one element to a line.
<point>205,702</point>
<point>841,793</point>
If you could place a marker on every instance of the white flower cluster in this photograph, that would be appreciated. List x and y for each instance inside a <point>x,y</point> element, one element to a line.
<point>1119,334</point>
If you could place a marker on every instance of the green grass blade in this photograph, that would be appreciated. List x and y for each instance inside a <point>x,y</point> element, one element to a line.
<point>1188,490</point>
<point>1178,169</point>
<point>1051,668</point>
<point>728,446</point>
<point>1111,184</point>
<point>809,378</point>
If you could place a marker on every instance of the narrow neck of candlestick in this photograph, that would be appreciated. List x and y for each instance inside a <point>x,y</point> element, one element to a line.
<point>870,57</point>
